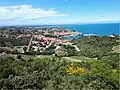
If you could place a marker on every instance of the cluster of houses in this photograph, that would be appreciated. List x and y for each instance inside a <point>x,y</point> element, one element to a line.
<point>45,42</point>
<point>41,41</point>
<point>59,32</point>
<point>15,32</point>
<point>22,36</point>
<point>67,33</point>
<point>17,36</point>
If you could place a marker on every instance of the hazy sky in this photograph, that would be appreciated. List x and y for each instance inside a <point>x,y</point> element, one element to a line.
<point>22,12</point>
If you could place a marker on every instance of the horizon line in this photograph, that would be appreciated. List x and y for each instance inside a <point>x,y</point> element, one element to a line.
<point>60,24</point>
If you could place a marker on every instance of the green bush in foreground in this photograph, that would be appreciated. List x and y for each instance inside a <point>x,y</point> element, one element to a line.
<point>51,74</point>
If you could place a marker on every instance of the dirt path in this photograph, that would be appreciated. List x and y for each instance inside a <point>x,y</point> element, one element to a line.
<point>71,59</point>
<point>77,49</point>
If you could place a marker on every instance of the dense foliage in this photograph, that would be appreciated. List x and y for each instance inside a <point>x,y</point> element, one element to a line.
<point>95,46</point>
<point>10,42</point>
<point>111,59</point>
<point>50,35</point>
<point>54,74</point>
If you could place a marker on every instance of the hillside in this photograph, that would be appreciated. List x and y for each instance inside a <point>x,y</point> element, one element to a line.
<point>95,46</point>
<point>95,67</point>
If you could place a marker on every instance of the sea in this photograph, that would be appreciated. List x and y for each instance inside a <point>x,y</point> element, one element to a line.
<point>92,29</point>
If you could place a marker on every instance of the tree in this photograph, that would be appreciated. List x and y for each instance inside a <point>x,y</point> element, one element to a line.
<point>111,59</point>
<point>19,57</point>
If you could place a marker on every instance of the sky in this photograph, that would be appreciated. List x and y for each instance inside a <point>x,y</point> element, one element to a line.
<point>40,12</point>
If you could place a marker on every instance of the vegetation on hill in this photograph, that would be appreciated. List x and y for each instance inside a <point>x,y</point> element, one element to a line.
<point>100,71</point>
<point>55,74</point>
<point>96,46</point>
<point>10,42</point>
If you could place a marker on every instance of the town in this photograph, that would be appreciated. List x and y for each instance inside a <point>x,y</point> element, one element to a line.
<point>35,40</point>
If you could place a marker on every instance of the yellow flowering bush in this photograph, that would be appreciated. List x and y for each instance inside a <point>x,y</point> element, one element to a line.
<point>114,70</point>
<point>73,70</point>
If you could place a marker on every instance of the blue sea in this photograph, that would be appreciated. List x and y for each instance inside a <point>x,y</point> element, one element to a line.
<point>99,29</point>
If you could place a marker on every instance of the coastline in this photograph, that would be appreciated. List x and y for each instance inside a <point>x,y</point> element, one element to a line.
<point>101,29</point>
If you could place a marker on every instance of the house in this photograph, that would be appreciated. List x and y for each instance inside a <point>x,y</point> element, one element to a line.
<point>112,36</point>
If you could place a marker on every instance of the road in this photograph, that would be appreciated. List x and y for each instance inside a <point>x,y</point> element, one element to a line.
<point>30,43</point>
